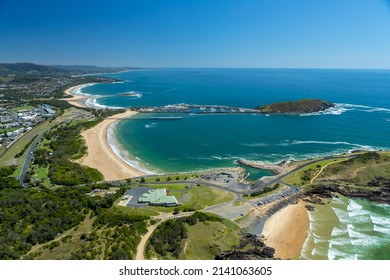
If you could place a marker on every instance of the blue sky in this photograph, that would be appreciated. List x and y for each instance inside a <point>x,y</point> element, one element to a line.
<point>198,33</point>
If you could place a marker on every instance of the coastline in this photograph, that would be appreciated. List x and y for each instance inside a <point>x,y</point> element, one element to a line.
<point>78,99</point>
<point>100,154</point>
<point>286,231</point>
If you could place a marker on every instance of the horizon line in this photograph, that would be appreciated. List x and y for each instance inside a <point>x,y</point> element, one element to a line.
<point>208,67</point>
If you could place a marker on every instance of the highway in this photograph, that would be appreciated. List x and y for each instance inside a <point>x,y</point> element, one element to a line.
<point>26,164</point>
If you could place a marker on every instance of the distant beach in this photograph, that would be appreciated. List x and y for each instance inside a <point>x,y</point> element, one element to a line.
<point>100,154</point>
<point>77,99</point>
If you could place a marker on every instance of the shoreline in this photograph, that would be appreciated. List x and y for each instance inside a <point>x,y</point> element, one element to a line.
<point>286,230</point>
<point>78,99</point>
<point>100,154</point>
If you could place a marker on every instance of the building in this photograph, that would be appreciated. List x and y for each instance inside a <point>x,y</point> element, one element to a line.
<point>158,197</point>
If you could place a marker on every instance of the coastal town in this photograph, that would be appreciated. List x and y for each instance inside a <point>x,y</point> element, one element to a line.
<point>17,121</point>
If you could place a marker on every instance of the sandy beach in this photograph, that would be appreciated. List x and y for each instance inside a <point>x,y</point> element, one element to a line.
<point>77,100</point>
<point>101,156</point>
<point>286,231</point>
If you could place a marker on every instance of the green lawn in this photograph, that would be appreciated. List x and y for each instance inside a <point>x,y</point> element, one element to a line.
<point>173,187</point>
<point>43,174</point>
<point>198,198</point>
<point>8,130</point>
<point>206,239</point>
<point>171,177</point>
<point>23,108</point>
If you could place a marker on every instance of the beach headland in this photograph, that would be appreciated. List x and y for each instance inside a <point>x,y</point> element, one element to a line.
<point>287,230</point>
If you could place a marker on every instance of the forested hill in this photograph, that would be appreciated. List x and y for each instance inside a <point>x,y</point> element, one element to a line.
<point>31,69</point>
<point>22,69</point>
<point>296,107</point>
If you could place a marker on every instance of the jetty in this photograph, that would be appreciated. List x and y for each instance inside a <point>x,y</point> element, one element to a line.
<point>195,109</point>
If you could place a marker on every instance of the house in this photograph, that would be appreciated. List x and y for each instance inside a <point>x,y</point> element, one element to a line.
<point>158,197</point>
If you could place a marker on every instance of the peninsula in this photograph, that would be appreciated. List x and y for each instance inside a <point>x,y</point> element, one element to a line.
<point>302,106</point>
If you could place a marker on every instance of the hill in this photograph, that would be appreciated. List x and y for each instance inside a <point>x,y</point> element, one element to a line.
<point>92,68</point>
<point>365,175</point>
<point>302,106</point>
<point>35,70</point>
<point>31,69</point>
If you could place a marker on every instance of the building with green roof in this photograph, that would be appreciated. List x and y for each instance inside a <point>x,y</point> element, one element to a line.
<point>158,197</point>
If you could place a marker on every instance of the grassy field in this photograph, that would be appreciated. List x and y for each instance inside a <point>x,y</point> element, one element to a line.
<point>172,187</point>
<point>207,239</point>
<point>23,108</point>
<point>358,173</point>
<point>9,130</point>
<point>6,79</point>
<point>198,198</point>
<point>170,177</point>
<point>42,174</point>
<point>310,170</point>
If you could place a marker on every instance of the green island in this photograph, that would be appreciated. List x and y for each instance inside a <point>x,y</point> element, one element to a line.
<point>54,207</point>
<point>303,106</point>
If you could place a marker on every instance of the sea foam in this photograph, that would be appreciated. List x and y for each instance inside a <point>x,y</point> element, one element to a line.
<point>122,153</point>
<point>93,103</point>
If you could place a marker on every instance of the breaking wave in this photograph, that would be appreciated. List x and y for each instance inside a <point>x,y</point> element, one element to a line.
<point>254,144</point>
<point>151,125</point>
<point>79,89</point>
<point>361,227</point>
<point>341,108</point>
<point>93,103</point>
<point>133,94</point>
<point>122,153</point>
<point>354,146</point>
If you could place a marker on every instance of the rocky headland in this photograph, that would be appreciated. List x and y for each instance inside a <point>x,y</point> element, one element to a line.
<point>303,106</point>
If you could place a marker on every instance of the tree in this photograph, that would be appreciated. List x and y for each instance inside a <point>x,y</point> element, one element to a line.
<point>176,211</point>
<point>119,254</point>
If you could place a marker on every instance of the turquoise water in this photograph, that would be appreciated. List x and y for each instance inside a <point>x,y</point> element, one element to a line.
<point>360,121</point>
<point>349,229</point>
<point>346,229</point>
<point>256,173</point>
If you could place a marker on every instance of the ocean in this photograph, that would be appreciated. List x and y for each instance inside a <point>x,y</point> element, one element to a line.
<point>348,229</point>
<point>360,121</point>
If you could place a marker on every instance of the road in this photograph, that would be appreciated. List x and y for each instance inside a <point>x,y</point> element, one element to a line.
<point>290,190</point>
<point>142,244</point>
<point>29,156</point>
